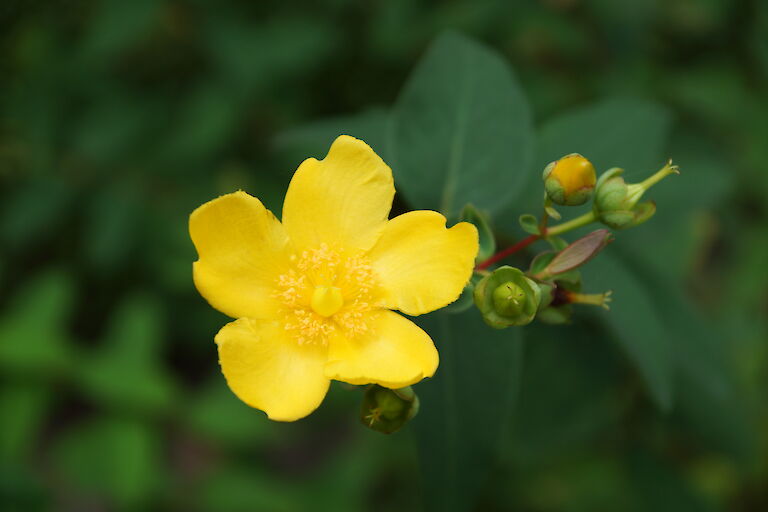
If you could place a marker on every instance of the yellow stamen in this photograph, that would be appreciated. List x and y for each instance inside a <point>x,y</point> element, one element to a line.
<point>326,291</point>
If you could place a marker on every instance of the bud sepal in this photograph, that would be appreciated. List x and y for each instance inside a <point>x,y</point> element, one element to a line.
<point>506,297</point>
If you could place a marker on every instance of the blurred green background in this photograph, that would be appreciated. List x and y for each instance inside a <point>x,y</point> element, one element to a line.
<point>118,118</point>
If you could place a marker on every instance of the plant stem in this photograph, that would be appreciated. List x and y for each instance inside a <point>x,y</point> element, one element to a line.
<point>522,244</point>
<point>578,222</point>
<point>582,220</point>
<point>659,175</point>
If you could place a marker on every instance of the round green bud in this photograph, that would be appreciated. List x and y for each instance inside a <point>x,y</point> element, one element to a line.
<point>612,195</point>
<point>388,410</point>
<point>570,180</point>
<point>507,297</point>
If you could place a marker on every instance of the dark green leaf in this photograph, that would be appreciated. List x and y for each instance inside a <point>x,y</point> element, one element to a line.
<point>635,324</point>
<point>315,139</point>
<point>461,129</point>
<point>466,407</point>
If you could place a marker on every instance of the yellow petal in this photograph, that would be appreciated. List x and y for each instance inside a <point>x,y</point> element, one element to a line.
<point>342,200</point>
<point>422,265</point>
<point>269,371</point>
<point>394,353</point>
<point>242,250</point>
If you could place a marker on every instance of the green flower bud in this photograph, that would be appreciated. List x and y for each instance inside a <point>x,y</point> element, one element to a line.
<point>617,203</point>
<point>388,410</point>
<point>570,180</point>
<point>507,297</point>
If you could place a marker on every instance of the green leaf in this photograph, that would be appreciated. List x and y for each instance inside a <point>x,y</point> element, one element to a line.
<point>659,486</point>
<point>466,407</point>
<point>24,406</point>
<point>116,459</point>
<point>125,373</point>
<point>618,132</point>
<point>710,401</point>
<point>461,129</point>
<point>217,414</point>
<point>33,212</point>
<point>111,227</point>
<point>706,180</point>
<point>579,252</point>
<point>529,223</point>
<point>582,405</point>
<point>32,330</point>
<point>635,324</point>
<point>314,139</point>
<point>487,239</point>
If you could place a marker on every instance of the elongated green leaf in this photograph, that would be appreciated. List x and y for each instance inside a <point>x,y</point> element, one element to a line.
<point>635,324</point>
<point>617,132</point>
<point>461,129</point>
<point>582,405</point>
<point>709,400</point>
<point>466,407</point>
<point>579,252</point>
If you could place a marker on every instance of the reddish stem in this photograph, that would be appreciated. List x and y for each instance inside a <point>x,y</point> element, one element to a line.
<point>522,244</point>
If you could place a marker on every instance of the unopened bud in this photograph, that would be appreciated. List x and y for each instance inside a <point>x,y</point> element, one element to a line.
<point>388,410</point>
<point>570,180</point>
<point>617,203</point>
<point>507,297</point>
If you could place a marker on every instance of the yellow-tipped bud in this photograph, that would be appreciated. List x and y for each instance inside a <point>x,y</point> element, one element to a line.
<point>570,180</point>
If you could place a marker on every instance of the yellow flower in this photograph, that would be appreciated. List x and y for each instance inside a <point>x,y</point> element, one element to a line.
<point>313,295</point>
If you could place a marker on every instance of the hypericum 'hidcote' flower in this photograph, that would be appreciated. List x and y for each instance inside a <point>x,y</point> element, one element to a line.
<point>313,296</point>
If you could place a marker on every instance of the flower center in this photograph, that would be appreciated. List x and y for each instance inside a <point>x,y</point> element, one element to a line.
<point>326,300</point>
<point>326,292</point>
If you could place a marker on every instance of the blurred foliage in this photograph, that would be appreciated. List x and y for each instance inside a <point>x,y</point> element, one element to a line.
<point>118,118</point>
